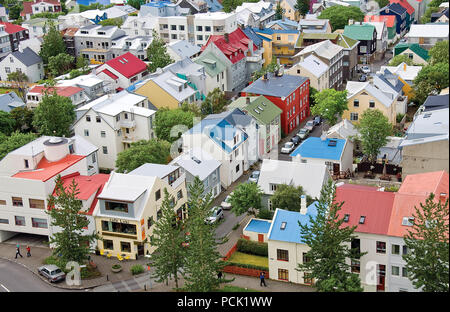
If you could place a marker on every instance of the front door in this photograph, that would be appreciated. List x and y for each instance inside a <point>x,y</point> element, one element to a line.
<point>261,238</point>
<point>336,168</point>
<point>140,249</point>
<point>381,277</point>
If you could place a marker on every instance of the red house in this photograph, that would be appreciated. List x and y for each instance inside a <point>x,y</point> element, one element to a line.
<point>290,93</point>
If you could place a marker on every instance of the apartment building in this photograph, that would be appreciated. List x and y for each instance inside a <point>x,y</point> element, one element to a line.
<point>136,45</point>
<point>255,14</point>
<point>140,26</point>
<point>208,24</point>
<point>14,33</point>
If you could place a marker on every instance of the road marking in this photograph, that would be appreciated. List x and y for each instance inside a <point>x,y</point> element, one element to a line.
<point>4,288</point>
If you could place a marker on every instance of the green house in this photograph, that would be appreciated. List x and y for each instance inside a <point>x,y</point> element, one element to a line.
<point>418,54</point>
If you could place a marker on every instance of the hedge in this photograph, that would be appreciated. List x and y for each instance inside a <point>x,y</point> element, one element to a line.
<point>253,248</point>
<point>247,266</point>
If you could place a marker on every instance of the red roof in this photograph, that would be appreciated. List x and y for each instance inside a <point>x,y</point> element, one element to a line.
<point>12,28</point>
<point>46,170</point>
<point>366,201</point>
<point>87,186</point>
<point>127,64</point>
<point>389,20</point>
<point>235,48</point>
<point>61,91</point>
<point>405,5</point>
<point>27,9</point>
<point>110,74</point>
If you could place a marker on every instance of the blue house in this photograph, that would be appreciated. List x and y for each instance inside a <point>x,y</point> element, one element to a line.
<point>9,101</point>
<point>400,16</point>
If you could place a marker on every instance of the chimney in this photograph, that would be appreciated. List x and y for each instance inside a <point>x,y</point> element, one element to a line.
<point>303,209</point>
<point>404,66</point>
<point>250,47</point>
<point>247,100</point>
<point>225,36</point>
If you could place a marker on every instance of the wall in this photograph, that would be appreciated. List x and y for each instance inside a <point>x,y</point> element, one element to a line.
<point>425,157</point>
<point>157,96</point>
<point>389,112</point>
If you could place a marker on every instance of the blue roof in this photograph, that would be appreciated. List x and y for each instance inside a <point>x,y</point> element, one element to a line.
<point>286,24</point>
<point>250,33</point>
<point>388,75</point>
<point>9,101</point>
<point>277,86</point>
<point>395,7</point>
<point>291,232</point>
<point>314,147</point>
<point>157,4</point>
<point>214,5</point>
<point>89,2</point>
<point>270,31</point>
<point>259,226</point>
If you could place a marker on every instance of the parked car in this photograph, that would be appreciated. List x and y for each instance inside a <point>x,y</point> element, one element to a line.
<point>309,125</point>
<point>287,148</point>
<point>254,176</point>
<point>226,204</point>
<point>215,215</point>
<point>52,273</point>
<point>303,133</point>
<point>317,120</point>
<point>365,69</point>
<point>362,78</point>
<point>295,139</point>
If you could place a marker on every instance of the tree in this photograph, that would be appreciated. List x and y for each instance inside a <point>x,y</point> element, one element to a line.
<point>382,3</point>
<point>23,118</point>
<point>202,259</point>
<point>246,198</point>
<point>14,11</point>
<point>288,197</point>
<point>374,128</point>
<point>135,3</point>
<point>14,141</point>
<point>312,94</point>
<point>112,22</point>
<point>142,152</point>
<point>157,54</point>
<point>214,102</point>
<point>401,58</point>
<point>60,64</point>
<point>171,123</point>
<point>302,6</point>
<point>428,244</point>
<point>279,12</point>
<point>270,68</point>
<point>70,243</point>
<point>53,43</point>
<point>19,81</point>
<point>329,244</point>
<point>330,104</point>
<point>439,53</point>
<point>191,107</point>
<point>7,124</point>
<point>339,15</point>
<point>430,80</point>
<point>54,115</point>
<point>432,7</point>
<point>168,238</point>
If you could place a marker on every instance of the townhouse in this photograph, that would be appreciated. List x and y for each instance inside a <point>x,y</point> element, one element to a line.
<point>279,44</point>
<point>92,86</point>
<point>290,93</point>
<point>25,61</point>
<point>311,24</point>
<point>68,35</point>
<point>75,94</point>
<point>313,68</point>
<point>40,6</point>
<point>289,11</point>
<point>15,34</point>
<point>38,27</point>
<point>181,49</point>
<point>140,26</point>
<point>410,12</point>
<point>27,178</point>
<point>347,131</point>
<point>427,35</point>
<point>136,45</point>
<point>256,14</point>
<point>367,37</point>
<point>440,17</point>
<point>389,21</point>
<point>414,52</point>
<point>400,13</point>
<point>405,73</point>
<point>382,39</point>
<point>215,70</point>
<point>114,121</point>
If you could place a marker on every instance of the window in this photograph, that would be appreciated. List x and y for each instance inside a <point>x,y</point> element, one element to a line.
<point>381,247</point>
<point>395,270</point>
<point>105,149</point>
<point>355,103</point>
<point>283,274</point>
<point>103,134</point>
<point>405,250</point>
<point>346,217</point>
<point>306,259</point>
<point>108,244</point>
<point>98,119</point>
<point>17,201</point>
<point>371,104</point>
<point>158,195</point>
<point>179,194</point>
<point>150,222</point>
<point>36,203</point>
<point>356,266</point>
<point>86,132</point>
<point>307,279</point>
<point>88,118</point>
<point>2,202</point>
<point>237,168</point>
<point>26,163</point>
<point>116,206</point>
<point>7,70</point>
<point>39,223</point>
<point>354,116</point>
<point>4,221</point>
<point>20,220</point>
<point>282,255</point>
<point>395,249</point>
<point>405,272</point>
<point>273,187</point>
<point>158,214</point>
<point>125,246</point>
<point>93,158</point>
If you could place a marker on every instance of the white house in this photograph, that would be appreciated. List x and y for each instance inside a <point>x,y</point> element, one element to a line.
<point>313,68</point>
<point>75,94</point>
<point>427,35</point>
<point>25,61</point>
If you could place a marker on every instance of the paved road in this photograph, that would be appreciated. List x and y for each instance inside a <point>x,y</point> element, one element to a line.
<point>15,278</point>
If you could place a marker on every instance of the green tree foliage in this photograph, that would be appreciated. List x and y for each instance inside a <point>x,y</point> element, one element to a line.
<point>14,11</point>
<point>279,12</point>
<point>202,259</point>
<point>439,53</point>
<point>230,5</point>
<point>14,141</point>
<point>302,6</point>
<point>112,22</point>
<point>7,124</point>
<point>60,64</point>
<point>401,58</point>
<point>432,7</point>
<point>49,15</point>
<point>288,197</point>
<point>168,238</point>
<point>428,244</point>
<point>70,244</point>
<point>374,128</point>
<point>157,54</point>
<point>430,80</point>
<point>142,152</point>
<point>329,241</point>
<point>94,6</point>
<point>19,81</point>
<point>382,3</point>
<point>191,107</point>
<point>54,115</point>
<point>339,15</point>
<point>23,119</point>
<point>171,123</point>
<point>135,3</point>
<point>214,103</point>
<point>330,104</point>
<point>246,197</point>
<point>53,43</point>
<point>312,94</point>
<point>270,68</point>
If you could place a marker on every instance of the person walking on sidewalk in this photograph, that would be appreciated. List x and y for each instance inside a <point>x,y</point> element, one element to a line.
<point>28,251</point>
<point>262,279</point>
<point>18,251</point>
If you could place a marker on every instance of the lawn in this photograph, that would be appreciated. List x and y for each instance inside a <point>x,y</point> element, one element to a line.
<point>4,90</point>
<point>240,257</point>
<point>229,288</point>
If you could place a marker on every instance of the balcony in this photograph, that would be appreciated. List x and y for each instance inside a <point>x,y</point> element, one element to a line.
<point>254,58</point>
<point>127,138</point>
<point>127,123</point>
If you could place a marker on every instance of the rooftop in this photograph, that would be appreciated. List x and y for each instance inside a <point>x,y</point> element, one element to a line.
<point>278,86</point>
<point>359,32</point>
<point>154,170</point>
<point>127,64</point>
<point>314,147</point>
<point>261,108</point>
<point>389,20</point>
<point>66,91</point>
<point>9,101</point>
<point>432,30</point>
<point>197,162</point>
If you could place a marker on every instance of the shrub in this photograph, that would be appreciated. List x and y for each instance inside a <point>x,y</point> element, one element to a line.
<point>247,266</point>
<point>253,248</point>
<point>89,272</point>
<point>265,214</point>
<point>399,117</point>
<point>393,188</point>
<point>116,266</point>
<point>137,269</point>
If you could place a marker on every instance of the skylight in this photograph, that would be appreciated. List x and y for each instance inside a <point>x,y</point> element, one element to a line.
<point>283,225</point>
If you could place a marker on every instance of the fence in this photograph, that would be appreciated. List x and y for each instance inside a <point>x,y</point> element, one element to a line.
<point>244,271</point>
<point>378,168</point>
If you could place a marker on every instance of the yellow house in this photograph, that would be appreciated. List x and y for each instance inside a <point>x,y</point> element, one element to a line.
<point>362,96</point>
<point>129,205</point>
<point>289,10</point>
<point>165,89</point>
<point>279,44</point>
<point>406,74</point>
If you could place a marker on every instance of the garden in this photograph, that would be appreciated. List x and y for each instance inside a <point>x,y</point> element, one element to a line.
<point>248,258</point>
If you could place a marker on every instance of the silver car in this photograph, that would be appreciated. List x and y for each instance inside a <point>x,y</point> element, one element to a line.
<point>52,273</point>
<point>287,148</point>
<point>254,176</point>
<point>226,204</point>
<point>215,215</point>
<point>309,125</point>
<point>303,133</point>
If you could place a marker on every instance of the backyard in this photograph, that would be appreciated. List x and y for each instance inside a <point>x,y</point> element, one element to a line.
<point>244,258</point>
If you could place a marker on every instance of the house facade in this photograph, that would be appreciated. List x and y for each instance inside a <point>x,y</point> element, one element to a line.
<point>25,61</point>
<point>35,95</point>
<point>367,37</point>
<point>15,34</point>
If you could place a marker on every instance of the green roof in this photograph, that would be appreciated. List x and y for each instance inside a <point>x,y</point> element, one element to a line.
<point>260,108</point>
<point>346,42</point>
<point>212,64</point>
<point>359,32</point>
<point>399,48</point>
<point>323,36</point>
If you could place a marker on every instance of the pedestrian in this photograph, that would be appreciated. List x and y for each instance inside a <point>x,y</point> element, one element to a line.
<point>28,251</point>
<point>219,275</point>
<point>262,279</point>
<point>18,251</point>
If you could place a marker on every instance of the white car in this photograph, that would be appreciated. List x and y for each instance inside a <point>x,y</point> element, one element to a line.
<point>309,125</point>
<point>365,69</point>
<point>287,148</point>
<point>254,176</point>
<point>226,205</point>
<point>215,215</point>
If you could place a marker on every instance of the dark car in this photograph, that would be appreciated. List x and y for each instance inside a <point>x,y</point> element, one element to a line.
<point>317,120</point>
<point>362,78</point>
<point>296,140</point>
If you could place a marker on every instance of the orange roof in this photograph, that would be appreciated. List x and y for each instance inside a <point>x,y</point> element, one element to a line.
<point>70,31</point>
<point>61,91</point>
<point>46,170</point>
<point>389,20</point>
